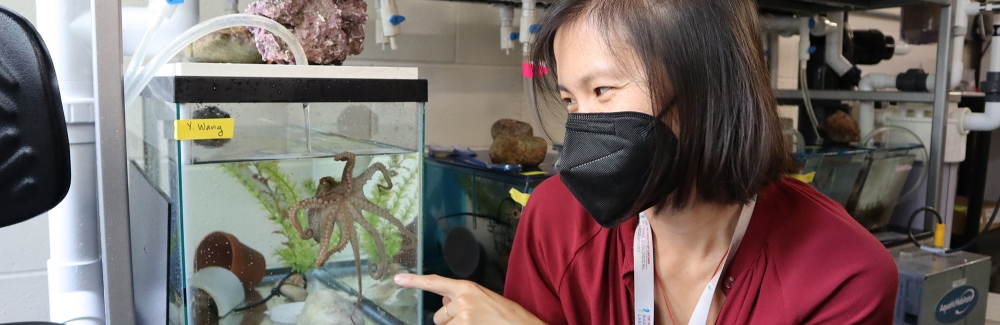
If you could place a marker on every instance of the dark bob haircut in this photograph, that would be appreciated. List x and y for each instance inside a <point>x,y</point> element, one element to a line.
<point>704,64</point>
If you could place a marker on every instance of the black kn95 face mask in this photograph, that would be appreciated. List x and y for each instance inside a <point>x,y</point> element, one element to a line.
<point>606,160</point>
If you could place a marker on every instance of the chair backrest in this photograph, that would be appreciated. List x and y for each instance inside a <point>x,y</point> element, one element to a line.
<point>34,149</point>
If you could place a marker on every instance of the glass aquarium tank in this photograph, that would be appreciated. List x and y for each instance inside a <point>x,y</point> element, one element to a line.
<point>833,170</point>
<point>470,217</point>
<point>881,184</point>
<point>269,194</point>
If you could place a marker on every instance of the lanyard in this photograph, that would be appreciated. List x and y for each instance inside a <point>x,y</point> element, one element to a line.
<point>643,274</point>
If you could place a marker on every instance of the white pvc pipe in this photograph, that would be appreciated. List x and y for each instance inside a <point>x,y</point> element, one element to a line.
<point>76,286</point>
<point>822,26</point>
<point>386,10</point>
<point>990,119</point>
<point>506,28</point>
<point>866,111</point>
<point>774,57</point>
<point>872,82</point>
<point>75,274</point>
<point>957,66</point>
<point>527,20</point>
<point>959,30</point>
<point>995,56</point>
<point>71,55</point>
<point>803,42</point>
<point>986,121</point>
<point>902,48</point>
<point>835,46</point>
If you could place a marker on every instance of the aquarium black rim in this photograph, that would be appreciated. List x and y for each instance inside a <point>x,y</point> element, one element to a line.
<point>190,89</point>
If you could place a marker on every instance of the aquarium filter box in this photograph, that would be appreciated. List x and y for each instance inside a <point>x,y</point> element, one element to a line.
<point>271,194</point>
<point>941,289</point>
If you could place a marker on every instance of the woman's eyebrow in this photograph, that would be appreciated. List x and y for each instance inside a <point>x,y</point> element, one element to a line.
<point>585,81</point>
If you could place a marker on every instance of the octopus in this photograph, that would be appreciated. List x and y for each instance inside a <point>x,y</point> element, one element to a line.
<point>339,204</point>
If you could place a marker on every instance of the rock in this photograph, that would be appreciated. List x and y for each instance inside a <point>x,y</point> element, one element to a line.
<point>840,128</point>
<point>293,292</point>
<point>510,127</point>
<point>296,280</point>
<point>210,112</point>
<point>285,313</point>
<point>231,45</point>
<point>282,11</point>
<point>398,301</point>
<point>520,150</point>
<point>329,307</point>
<point>329,30</point>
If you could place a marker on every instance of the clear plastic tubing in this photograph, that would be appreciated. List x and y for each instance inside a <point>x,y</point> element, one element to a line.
<point>198,31</point>
<point>140,53</point>
<point>161,14</point>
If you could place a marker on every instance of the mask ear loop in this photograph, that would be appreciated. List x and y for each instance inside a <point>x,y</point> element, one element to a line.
<point>666,111</point>
<point>636,208</point>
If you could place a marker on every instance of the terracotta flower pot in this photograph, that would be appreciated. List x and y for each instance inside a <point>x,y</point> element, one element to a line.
<point>224,250</point>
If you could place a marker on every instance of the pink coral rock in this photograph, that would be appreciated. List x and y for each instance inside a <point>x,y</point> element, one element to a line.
<point>329,30</point>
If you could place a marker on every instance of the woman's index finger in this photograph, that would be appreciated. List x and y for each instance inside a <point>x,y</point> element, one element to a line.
<point>433,283</point>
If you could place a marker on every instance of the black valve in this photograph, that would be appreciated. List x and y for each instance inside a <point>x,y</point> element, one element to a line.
<point>912,80</point>
<point>991,87</point>
<point>871,47</point>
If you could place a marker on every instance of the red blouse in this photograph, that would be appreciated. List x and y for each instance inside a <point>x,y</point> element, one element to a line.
<point>803,261</point>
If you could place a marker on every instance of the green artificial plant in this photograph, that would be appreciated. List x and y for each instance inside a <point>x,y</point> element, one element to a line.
<point>401,201</point>
<point>276,192</point>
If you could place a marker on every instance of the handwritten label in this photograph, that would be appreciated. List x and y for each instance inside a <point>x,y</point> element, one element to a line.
<point>204,129</point>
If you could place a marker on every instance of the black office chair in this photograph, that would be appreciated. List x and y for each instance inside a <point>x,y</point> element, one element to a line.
<point>34,150</point>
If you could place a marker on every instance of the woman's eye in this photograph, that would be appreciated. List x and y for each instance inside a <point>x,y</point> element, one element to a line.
<point>601,90</point>
<point>569,101</point>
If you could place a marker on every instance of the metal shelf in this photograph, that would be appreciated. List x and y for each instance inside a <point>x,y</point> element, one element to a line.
<point>887,96</point>
<point>824,6</point>
<point>939,97</point>
<point>795,96</point>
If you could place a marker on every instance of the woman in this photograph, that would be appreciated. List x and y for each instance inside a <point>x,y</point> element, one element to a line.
<point>670,207</point>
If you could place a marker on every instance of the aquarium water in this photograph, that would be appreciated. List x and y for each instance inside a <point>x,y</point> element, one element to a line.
<point>219,209</point>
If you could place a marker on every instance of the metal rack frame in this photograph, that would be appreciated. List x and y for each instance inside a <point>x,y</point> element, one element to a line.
<point>112,186</point>
<point>822,6</point>
<point>939,97</point>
